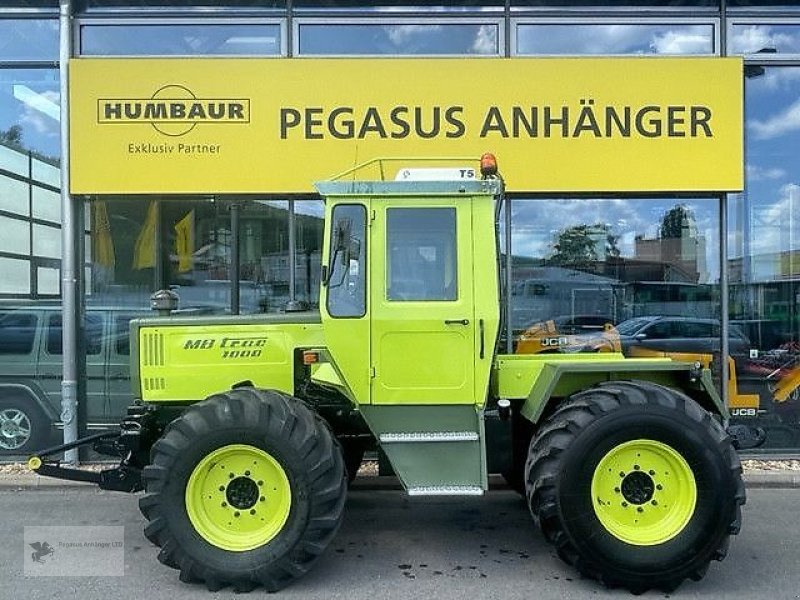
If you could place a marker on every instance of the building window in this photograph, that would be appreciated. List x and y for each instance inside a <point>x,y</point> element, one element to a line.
<point>28,40</point>
<point>182,39</point>
<point>764,39</point>
<point>398,37</point>
<point>614,38</point>
<point>764,267</point>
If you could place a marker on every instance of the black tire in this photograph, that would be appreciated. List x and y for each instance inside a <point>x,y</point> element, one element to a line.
<point>301,443</point>
<point>23,415</point>
<point>563,457</point>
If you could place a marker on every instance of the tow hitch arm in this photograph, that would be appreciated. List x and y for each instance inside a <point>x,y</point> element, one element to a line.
<point>131,442</point>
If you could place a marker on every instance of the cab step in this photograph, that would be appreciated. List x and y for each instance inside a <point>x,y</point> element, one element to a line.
<point>434,450</point>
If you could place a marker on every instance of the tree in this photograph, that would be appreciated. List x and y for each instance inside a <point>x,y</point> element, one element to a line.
<point>676,222</point>
<point>580,244</point>
<point>12,136</point>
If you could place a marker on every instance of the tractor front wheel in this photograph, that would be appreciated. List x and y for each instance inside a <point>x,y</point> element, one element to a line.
<point>636,485</point>
<point>246,488</point>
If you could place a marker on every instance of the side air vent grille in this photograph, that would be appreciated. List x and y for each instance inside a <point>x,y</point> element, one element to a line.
<point>154,384</point>
<point>153,349</point>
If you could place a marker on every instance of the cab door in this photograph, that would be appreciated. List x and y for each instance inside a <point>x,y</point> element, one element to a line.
<point>423,321</point>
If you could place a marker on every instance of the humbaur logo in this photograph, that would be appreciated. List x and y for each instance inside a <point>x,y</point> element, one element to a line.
<point>173,110</point>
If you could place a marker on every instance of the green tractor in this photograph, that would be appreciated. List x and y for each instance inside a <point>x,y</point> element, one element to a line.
<point>246,428</point>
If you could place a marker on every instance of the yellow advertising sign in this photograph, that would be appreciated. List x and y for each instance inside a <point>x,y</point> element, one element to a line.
<point>560,125</point>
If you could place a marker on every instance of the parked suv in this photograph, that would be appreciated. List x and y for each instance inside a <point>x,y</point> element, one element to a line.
<point>680,334</point>
<point>31,372</point>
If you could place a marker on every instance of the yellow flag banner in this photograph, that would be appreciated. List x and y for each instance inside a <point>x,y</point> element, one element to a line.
<point>184,242</point>
<point>102,244</point>
<point>144,253</point>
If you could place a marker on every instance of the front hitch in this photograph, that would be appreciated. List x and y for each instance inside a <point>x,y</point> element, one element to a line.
<point>131,443</point>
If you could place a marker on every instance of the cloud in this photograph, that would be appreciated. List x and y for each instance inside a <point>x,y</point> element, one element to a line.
<point>687,40</point>
<point>750,39</point>
<point>400,35</point>
<point>486,40</point>
<point>40,112</point>
<point>756,173</point>
<point>615,39</point>
<point>777,125</point>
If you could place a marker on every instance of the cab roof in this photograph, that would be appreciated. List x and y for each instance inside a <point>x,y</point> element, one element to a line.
<point>492,187</point>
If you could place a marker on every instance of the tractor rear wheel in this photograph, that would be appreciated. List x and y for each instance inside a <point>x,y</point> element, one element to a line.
<point>636,485</point>
<point>245,488</point>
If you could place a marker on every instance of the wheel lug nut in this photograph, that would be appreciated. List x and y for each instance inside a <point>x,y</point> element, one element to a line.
<point>230,475</point>
<point>260,483</point>
<point>636,467</point>
<point>247,473</point>
<point>654,503</point>
<point>236,514</point>
<point>651,472</point>
<point>224,504</point>
<point>252,511</point>
<point>616,490</point>
<point>261,499</point>
<point>222,488</point>
<point>624,505</point>
<point>639,509</point>
<point>659,487</point>
<point>622,473</point>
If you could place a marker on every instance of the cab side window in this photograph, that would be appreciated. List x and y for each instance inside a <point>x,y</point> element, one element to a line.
<point>347,280</point>
<point>421,248</point>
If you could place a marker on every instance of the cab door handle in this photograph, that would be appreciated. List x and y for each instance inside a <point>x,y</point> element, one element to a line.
<point>456,322</point>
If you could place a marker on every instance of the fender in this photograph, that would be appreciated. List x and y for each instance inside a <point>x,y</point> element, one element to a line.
<point>17,388</point>
<point>557,378</point>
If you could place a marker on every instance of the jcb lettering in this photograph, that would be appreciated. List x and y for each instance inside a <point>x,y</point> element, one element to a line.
<point>744,412</point>
<point>555,341</point>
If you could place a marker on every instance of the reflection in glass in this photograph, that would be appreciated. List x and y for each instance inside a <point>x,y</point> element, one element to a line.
<point>765,39</point>
<point>309,228</point>
<point>764,244</point>
<point>181,40</point>
<point>399,39</point>
<point>264,256</point>
<point>585,263</point>
<point>28,39</point>
<point>347,290</point>
<point>29,112</point>
<point>618,38</point>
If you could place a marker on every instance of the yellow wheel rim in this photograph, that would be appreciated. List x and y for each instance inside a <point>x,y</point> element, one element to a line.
<point>238,497</point>
<point>643,492</point>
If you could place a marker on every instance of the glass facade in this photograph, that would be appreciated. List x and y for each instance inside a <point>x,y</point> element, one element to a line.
<point>639,275</point>
<point>180,39</point>
<point>614,38</point>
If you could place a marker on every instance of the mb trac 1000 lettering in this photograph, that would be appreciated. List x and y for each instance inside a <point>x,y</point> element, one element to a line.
<point>246,428</point>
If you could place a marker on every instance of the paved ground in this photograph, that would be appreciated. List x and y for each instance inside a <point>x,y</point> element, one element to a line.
<point>394,547</point>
